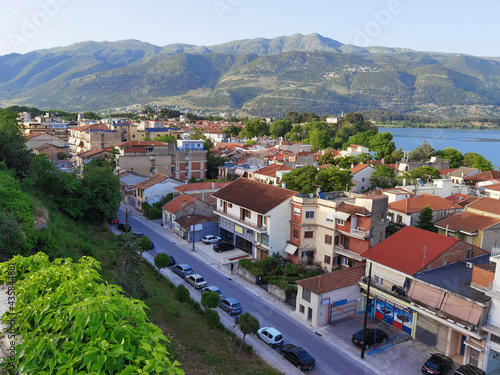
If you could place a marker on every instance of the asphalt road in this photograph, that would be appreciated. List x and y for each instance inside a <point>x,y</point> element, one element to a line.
<point>329,359</point>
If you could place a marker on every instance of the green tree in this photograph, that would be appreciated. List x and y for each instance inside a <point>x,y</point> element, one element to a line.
<point>302,180</point>
<point>91,115</point>
<point>210,300</point>
<point>181,295</point>
<point>213,162</point>
<point>12,239</point>
<point>101,191</point>
<point>398,155</point>
<point>162,260</point>
<point>132,274</point>
<point>279,128</point>
<point>452,154</point>
<point>383,177</point>
<point>423,152</point>
<point>425,219</point>
<point>382,144</point>
<point>319,139</point>
<point>231,130</point>
<point>327,158</point>
<point>145,244</point>
<point>213,321</point>
<point>361,138</point>
<point>250,142</point>
<point>347,162</point>
<point>13,151</point>
<point>255,128</point>
<point>293,117</point>
<point>474,160</point>
<point>334,179</point>
<point>166,139</point>
<point>248,325</point>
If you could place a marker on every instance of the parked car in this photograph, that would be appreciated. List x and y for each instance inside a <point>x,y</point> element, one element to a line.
<point>230,305</point>
<point>212,288</point>
<point>115,221</point>
<point>437,364</point>
<point>196,280</point>
<point>270,336</point>
<point>172,260</point>
<point>357,338</point>
<point>223,246</point>
<point>469,369</point>
<point>138,234</point>
<point>210,239</point>
<point>152,245</point>
<point>182,270</point>
<point>298,357</point>
<point>123,228</point>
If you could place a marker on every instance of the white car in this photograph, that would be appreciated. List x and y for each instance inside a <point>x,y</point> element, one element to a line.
<point>211,239</point>
<point>196,280</point>
<point>271,336</point>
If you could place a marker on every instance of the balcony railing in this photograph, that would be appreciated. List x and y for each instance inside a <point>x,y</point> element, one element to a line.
<point>261,229</point>
<point>360,233</point>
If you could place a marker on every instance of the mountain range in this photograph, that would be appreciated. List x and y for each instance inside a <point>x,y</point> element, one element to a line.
<point>260,77</point>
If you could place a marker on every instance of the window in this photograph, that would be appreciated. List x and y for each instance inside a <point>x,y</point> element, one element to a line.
<point>295,233</point>
<point>363,179</point>
<point>328,239</point>
<point>302,309</point>
<point>329,217</point>
<point>296,211</point>
<point>345,262</point>
<point>340,222</point>
<point>379,280</point>
<point>230,205</point>
<point>308,234</point>
<point>309,214</point>
<point>328,259</point>
<point>306,295</point>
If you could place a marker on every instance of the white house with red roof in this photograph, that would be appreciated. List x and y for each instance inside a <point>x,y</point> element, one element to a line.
<point>361,174</point>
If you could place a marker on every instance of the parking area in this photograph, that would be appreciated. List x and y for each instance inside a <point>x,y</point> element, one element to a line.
<point>225,257</point>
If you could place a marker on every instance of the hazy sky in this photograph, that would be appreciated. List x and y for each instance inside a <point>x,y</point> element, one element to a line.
<point>438,25</point>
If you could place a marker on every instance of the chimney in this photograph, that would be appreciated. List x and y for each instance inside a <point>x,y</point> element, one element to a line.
<point>184,203</point>
<point>213,185</point>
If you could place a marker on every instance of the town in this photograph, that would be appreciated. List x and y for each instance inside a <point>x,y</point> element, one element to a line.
<point>396,236</point>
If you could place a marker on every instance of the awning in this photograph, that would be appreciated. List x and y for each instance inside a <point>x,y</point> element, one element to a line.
<point>290,249</point>
<point>239,172</point>
<point>342,215</point>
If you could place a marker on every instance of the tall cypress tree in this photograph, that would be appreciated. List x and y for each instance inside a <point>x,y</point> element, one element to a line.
<point>425,219</point>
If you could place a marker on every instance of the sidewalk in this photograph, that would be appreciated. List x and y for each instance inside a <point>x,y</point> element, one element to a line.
<point>403,358</point>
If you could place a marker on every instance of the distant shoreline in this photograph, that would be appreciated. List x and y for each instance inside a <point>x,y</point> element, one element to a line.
<point>435,126</point>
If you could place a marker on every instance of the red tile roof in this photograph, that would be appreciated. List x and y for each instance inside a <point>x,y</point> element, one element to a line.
<point>352,209</point>
<point>457,197</point>
<point>494,187</point>
<point>417,204</point>
<point>178,203</point>
<point>487,205</point>
<point>271,169</point>
<point>467,222</point>
<point>358,168</point>
<point>253,195</point>
<point>91,127</point>
<point>151,181</point>
<point>403,251</point>
<point>333,281</point>
<point>94,151</point>
<point>485,176</point>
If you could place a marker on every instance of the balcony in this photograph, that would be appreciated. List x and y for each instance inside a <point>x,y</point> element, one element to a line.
<point>236,219</point>
<point>358,233</point>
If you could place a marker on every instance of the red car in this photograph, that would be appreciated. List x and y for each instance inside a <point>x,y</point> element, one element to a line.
<point>115,221</point>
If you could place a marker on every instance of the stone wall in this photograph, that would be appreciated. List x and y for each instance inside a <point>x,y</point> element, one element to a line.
<point>247,275</point>
<point>277,292</point>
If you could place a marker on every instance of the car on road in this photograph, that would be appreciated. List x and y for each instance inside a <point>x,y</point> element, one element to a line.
<point>196,280</point>
<point>138,234</point>
<point>437,364</point>
<point>357,338</point>
<point>115,221</point>
<point>469,369</point>
<point>270,336</point>
<point>152,245</point>
<point>212,288</point>
<point>298,357</point>
<point>210,239</point>
<point>223,246</point>
<point>183,270</point>
<point>123,228</point>
<point>172,260</point>
<point>230,305</point>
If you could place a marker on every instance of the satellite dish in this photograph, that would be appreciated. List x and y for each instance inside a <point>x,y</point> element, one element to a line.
<point>311,195</point>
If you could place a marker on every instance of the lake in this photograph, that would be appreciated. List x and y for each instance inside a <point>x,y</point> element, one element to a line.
<point>483,142</point>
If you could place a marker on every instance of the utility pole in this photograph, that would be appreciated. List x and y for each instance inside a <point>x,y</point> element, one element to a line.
<point>366,311</point>
<point>126,221</point>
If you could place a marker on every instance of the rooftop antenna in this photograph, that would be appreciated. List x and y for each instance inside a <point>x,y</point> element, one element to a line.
<point>424,249</point>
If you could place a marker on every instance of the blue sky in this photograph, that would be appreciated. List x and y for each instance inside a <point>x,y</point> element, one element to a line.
<point>439,25</point>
